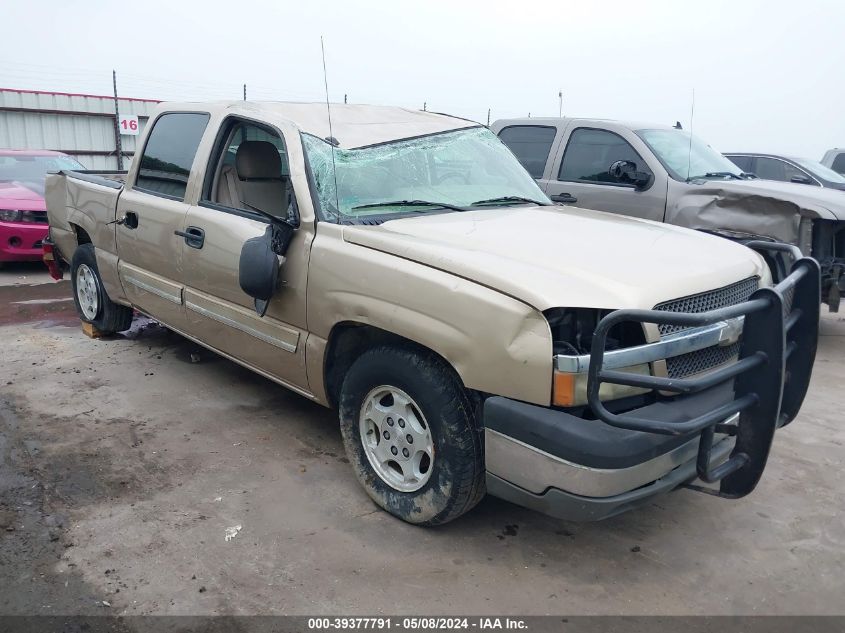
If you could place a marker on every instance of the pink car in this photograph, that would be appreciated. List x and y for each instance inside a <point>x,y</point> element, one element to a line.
<point>23,214</point>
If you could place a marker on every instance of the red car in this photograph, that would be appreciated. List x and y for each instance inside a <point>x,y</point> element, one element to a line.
<point>23,214</point>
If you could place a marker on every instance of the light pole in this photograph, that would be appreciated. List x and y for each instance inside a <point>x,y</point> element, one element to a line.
<point>560,103</point>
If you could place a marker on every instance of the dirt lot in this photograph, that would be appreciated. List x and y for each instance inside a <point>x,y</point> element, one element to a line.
<point>123,466</point>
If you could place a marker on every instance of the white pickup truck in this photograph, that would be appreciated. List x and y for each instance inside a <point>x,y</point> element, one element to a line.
<point>403,267</point>
<point>662,173</point>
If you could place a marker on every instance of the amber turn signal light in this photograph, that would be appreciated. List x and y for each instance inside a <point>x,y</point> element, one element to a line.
<point>563,394</point>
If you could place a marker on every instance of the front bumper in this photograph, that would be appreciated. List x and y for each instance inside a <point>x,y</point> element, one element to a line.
<point>572,507</point>
<point>717,427</point>
<point>586,470</point>
<point>21,241</point>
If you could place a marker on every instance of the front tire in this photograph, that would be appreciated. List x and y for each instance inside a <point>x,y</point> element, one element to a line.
<point>411,435</point>
<point>92,303</point>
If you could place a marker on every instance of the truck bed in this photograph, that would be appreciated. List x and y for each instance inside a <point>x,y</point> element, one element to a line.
<point>80,205</point>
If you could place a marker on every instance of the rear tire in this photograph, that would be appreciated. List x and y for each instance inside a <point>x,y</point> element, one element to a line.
<point>391,394</point>
<point>89,295</point>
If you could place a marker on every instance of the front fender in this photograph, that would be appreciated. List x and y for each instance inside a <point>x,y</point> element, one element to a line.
<point>754,208</point>
<point>495,343</point>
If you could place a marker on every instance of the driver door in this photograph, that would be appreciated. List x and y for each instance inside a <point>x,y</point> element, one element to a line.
<point>580,176</point>
<point>247,171</point>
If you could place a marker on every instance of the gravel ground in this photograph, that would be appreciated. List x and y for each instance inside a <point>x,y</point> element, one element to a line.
<point>135,481</point>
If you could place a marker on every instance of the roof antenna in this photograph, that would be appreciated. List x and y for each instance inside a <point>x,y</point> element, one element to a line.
<point>332,140</point>
<point>691,115</point>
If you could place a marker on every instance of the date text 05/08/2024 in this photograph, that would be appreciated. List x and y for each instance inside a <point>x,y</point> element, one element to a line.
<point>414,623</point>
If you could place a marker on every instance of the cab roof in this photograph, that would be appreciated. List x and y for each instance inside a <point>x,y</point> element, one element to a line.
<point>609,123</point>
<point>353,126</point>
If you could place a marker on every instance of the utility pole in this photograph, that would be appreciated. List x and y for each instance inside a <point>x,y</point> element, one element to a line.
<point>560,103</point>
<point>425,104</point>
<point>117,143</point>
<point>344,98</point>
<point>244,92</point>
<point>488,117</point>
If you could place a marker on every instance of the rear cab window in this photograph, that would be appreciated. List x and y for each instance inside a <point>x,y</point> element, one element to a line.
<point>531,144</point>
<point>169,153</point>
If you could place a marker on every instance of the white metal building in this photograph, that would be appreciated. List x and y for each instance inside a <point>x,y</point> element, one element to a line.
<point>80,125</point>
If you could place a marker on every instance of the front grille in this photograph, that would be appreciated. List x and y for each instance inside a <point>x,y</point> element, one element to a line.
<point>706,301</point>
<point>701,360</point>
<point>788,296</point>
<point>709,358</point>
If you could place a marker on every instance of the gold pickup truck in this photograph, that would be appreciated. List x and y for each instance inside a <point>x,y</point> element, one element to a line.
<point>403,267</point>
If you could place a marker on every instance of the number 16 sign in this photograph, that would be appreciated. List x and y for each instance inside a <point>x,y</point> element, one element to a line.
<point>128,124</point>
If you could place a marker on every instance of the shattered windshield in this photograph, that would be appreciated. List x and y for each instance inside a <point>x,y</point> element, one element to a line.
<point>686,160</point>
<point>450,171</point>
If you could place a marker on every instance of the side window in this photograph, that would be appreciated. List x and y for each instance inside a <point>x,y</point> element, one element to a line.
<point>247,132</point>
<point>590,153</point>
<point>169,153</point>
<point>790,172</point>
<point>839,163</point>
<point>251,172</point>
<point>770,169</point>
<point>531,145</point>
<point>743,162</point>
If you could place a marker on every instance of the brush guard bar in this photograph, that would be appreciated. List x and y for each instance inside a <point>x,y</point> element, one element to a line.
<point>770,377</point>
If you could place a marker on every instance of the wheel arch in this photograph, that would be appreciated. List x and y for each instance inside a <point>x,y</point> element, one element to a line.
<point>82,236</point>
<point>349,339</point>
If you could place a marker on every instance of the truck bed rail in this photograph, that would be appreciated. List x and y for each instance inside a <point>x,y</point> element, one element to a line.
<point>97,177</point>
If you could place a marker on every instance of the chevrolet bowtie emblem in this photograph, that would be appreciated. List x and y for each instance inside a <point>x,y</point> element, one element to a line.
<point>731,332</point>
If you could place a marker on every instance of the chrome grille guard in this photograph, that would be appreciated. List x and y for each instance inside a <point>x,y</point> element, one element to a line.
<point>770,377</point>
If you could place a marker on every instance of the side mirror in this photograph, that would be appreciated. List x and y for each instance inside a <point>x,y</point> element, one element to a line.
<point>258,270</point>
<point>626,171</point>
<point>801,179</point>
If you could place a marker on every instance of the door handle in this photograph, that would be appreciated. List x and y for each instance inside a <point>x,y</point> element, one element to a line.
<point>194,236</point>
<point>566,198</point>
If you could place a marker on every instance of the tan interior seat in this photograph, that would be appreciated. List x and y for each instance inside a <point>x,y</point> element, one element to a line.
<point>256,180</point>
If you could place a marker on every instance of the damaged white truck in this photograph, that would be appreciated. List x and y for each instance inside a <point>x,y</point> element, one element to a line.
<point>403,267</point>
<point>664,174</point>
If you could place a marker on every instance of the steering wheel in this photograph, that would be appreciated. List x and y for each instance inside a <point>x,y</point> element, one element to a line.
<point>453,175</point>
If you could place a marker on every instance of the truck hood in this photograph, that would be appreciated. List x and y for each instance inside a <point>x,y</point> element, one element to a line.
<point>755,207</point>
<point>565,256</point>
<point>16,195</point>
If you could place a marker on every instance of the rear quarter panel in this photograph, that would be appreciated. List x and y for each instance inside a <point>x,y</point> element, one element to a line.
<point>74,204</point>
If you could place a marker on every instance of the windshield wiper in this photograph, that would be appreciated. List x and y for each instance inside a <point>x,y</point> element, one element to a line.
<point>719,174</point>
<point>508,199</point>
<point>409,203</point>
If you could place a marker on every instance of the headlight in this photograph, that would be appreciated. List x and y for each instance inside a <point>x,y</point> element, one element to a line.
<point>7,215</point>
<point>572,335</point>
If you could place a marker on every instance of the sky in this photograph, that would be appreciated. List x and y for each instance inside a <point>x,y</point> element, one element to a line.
<point>765,76</point>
